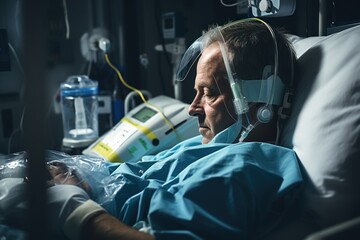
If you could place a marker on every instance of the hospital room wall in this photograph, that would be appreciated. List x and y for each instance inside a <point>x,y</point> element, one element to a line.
<point>193,16</point>
<point>196,16</point>
<point>135,30</point>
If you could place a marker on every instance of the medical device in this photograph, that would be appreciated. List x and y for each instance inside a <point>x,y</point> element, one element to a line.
<point>272,8</point>
<point>79,111</point>
<point>144,131</point>
<point>172,24</point>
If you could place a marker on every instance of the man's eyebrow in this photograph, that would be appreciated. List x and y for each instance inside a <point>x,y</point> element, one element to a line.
<point>213,88</point>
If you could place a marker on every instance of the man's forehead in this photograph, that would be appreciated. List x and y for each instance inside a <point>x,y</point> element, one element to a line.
<point>211,60</point>
<point>212,52</point>
<point>212,82</point>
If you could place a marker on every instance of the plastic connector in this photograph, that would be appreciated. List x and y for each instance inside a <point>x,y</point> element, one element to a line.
<point>245,133</point>
<point>104,45</point>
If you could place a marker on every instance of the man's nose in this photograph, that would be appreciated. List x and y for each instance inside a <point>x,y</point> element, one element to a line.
<point>196,107</point>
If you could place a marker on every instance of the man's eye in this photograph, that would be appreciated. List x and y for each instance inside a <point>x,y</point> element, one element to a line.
<point>210,97</point>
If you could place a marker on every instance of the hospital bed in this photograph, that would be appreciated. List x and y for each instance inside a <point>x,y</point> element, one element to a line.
<point>324,130</point>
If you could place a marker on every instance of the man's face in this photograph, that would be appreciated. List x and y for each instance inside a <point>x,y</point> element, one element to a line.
<point>213,101</point>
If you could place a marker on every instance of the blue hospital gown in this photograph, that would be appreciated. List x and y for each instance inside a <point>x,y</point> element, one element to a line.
<point>212,191</point>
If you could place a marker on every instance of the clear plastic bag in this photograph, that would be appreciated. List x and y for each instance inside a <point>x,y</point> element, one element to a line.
<point>13,165</point>
<point>89,170</point>
<point>93,174</point>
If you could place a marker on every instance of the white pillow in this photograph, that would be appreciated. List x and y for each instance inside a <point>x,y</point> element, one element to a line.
<point>324,129</point>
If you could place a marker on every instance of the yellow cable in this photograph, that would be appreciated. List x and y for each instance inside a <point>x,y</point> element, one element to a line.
<point>140,94</point>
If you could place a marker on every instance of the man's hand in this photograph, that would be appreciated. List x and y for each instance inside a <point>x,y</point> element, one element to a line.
<point>62,174</point>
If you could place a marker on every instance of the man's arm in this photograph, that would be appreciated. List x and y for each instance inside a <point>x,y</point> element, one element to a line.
<point>105,227</point>
<point>74,215</point>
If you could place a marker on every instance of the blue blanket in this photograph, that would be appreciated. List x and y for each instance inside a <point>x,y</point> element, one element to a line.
<point>213,191</point>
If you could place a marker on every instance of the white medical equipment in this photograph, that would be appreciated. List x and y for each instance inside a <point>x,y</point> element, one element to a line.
<point>144,131</point>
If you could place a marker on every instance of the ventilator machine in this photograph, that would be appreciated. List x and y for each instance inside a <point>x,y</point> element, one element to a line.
<point>144,131</point>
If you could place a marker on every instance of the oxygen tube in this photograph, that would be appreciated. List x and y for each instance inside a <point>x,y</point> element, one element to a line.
<point>240,102</point>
